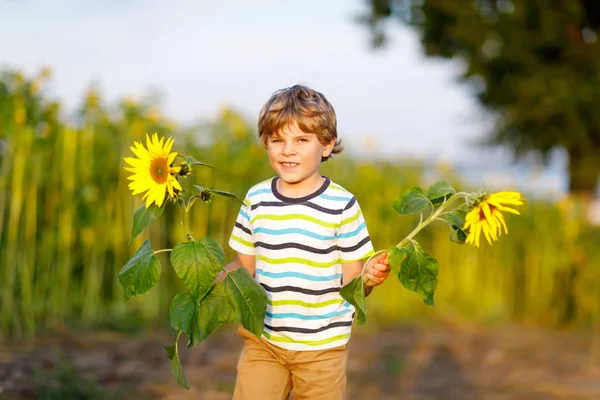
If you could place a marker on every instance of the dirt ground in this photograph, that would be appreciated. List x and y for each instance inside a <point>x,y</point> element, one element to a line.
<point>404,362</point>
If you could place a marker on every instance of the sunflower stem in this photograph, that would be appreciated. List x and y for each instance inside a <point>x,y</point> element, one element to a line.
<point>185,221</point>
<point>161,251</point>
<point>432,217</point>
<point>422,224</point>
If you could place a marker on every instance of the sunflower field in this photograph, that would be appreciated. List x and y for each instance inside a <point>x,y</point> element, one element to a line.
<point>66,211</point>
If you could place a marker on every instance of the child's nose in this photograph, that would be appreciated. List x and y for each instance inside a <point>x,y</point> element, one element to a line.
<point>289,148</point>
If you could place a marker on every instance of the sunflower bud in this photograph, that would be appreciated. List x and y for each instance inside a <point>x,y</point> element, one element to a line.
<point>185,169</point>
<point>206,196</point>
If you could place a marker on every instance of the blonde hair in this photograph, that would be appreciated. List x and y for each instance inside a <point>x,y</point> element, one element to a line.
<point>308,108</point>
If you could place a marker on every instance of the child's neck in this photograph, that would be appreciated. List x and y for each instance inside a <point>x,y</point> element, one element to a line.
<point>299,189</point>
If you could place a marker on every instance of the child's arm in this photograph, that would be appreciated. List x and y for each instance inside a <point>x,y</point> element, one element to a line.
<point>376,272</point>
<point>241,260</point>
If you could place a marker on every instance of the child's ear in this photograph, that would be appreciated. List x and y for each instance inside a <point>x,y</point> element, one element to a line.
<point>328,148</point>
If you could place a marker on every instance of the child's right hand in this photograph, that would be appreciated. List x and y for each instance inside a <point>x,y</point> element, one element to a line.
<point>377,270</point>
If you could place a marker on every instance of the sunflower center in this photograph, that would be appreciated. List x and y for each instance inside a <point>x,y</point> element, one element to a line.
<point>159,169</point>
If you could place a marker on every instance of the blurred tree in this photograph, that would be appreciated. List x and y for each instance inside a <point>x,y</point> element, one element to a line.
<point>535,64</point>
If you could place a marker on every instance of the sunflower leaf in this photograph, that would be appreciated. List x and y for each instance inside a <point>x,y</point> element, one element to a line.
<point>198,264</point>
<point>439,192</point>
<point>413,201</point>
<point>248,300</point>
<point>141,272</point>
<point>418,272</point>
<point>225,194</point>
<point>456,217</point>
<point>206,194</point>
<point>173,355</point>
<point>199,318</point>
<point>354,293</point>
<point>192,161</point>
<point>143,216</point>
<point>457,235</point>
<point>395,256</point>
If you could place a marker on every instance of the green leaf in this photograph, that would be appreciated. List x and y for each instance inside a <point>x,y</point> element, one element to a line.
<point>456,217</point>
<point>457,235</point>
<point>141,272</point>
<point>413,201</point>
<point>143,216</point>
<point>205,194</point>
<point>192,161</point>
<point>226,194</point>
<point>395,257</point>
<point>173,355</point>
<point>198,319</point>
<point>198,264</point>
<point>248,299</point>
<point>457,221</point>
<point>439,192</point>
<point>354,293</point>
<point>418,273</point>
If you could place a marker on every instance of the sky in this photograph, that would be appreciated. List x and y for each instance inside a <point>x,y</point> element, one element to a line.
<point>204,55</point>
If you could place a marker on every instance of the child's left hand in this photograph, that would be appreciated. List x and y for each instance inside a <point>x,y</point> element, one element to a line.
<point>377,270</point>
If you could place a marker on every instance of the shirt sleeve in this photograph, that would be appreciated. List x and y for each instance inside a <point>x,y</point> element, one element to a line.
<point>353,238</point>
<point>241,239</point>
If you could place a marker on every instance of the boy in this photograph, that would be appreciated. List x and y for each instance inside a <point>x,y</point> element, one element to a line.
<point>301,236</point>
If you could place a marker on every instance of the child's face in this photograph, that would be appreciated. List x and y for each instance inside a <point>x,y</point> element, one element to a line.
<point>296,156</point>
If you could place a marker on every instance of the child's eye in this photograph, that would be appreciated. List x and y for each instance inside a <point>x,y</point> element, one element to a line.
<point>302,140</point>
<point>276,141</point>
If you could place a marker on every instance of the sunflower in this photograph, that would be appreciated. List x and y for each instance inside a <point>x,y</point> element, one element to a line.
<point>153,171</point>
<point>486,216</point>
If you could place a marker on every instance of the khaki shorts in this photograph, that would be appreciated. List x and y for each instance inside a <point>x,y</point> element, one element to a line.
<point>268,372</point>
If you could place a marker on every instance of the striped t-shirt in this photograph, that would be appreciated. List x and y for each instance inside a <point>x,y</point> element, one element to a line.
<point>300,245</point>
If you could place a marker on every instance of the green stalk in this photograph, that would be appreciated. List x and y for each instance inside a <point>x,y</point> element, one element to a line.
<point>185,217</point>
<point>422,224</point>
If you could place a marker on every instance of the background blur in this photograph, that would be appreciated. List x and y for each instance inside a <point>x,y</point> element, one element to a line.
<point>487,94</point>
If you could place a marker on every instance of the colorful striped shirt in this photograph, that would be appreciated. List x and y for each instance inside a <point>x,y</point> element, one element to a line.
<point>300,245</point>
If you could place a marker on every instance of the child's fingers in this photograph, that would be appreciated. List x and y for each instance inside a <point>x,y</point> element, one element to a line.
<point>381,258</point>
<point>379,272</point>
<point>380,267</point>
<point>374,280</point>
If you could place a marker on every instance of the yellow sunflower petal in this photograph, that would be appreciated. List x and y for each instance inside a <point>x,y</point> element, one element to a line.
<point>488,216</point>
<point>500,218</point>
<point>508,209</point>
<point>159,194</point>
<point>171,158</point>
<point>140,151</point>
<point>168,146</point>
<point>486,232</point>
<point>176,184</point>
<point>136,162</point>
<point>476,234</point>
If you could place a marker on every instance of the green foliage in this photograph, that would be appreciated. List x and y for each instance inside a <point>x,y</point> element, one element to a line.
<point>143,216</point>
<point>440,192</point>
<point>413,201</point>
<point>206,194</point>
<point>248,298</point>
<point>534,65</point>
<point>199,318</point>
<point>198,264</point>
<point>140,273</point>
<point>418,272</point>
<point>176,367</point>
<point>354,293</point>
<point>190,160</point>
